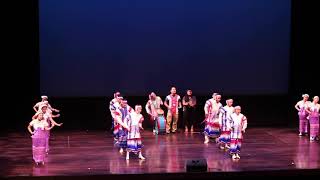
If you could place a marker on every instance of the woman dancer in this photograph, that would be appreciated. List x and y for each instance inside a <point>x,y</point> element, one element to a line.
<point>39,136</point>
<point>44,101</point>
<point>113,106</point>
<point>121,127</point>
<point>301,106</point>
<point>212,110</point>
<point>313,110</point>
<point>48,117</point>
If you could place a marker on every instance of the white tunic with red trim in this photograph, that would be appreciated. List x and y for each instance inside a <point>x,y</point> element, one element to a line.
<point>224,119</point>
<point>113,106</point>
<point>238,125</point>
<point>212,109</point>
<point>134,121</point>
<point>173,103</point>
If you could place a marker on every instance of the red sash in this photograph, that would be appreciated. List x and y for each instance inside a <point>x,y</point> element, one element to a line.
<point>174,103</point>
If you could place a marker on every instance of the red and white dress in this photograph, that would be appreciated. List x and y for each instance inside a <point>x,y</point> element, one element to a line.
<point>225,124</point>
<point>212,110</point>
<point>238,126</point>
<point>134,122</point>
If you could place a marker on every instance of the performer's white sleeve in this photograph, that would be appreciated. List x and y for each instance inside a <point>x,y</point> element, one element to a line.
<point>220,117</point>
<point>148,108</point>
<point>230,120</point>
<point>111,106</point>
<point>206,107</point>
<point>245,123</point>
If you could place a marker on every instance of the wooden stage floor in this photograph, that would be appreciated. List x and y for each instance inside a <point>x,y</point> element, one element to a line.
<point>87,153</point>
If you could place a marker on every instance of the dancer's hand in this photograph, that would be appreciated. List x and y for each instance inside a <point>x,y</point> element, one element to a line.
<point>206,115</point>
<point>59,124</point>
<point>126,127</point>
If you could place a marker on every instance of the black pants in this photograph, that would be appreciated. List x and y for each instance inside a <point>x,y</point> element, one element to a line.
<point>188,117</point>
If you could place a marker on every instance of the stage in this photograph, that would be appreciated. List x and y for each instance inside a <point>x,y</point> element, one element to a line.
<point>265,151</point>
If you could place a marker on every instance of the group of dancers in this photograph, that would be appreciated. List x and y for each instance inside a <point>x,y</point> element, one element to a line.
<point>39,127</point>
<point>127,123</point>
<point>308,115</point>
<point>226,124</point>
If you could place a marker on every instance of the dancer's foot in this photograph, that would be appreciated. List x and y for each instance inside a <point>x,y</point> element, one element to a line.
<point>206,140</point>
<point>237,155</point>
<point>234,156</point>
<point>141,157</point>
<point>127,156</point>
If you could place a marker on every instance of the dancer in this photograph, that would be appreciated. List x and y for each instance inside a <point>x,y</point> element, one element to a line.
<point>212,109</point>
<point>40,126</point>
<point>173,104</point>
<point>48,117</point>
<point>153,105</point>
<point>313,110</point>
<point>44,100</point>
<point>113,106</point>
<point>238,126</point>
<point>189,103</point>
<point>134,123</point>
<point>120,127</point>
<point>224,139</point>
<point>301,106</point>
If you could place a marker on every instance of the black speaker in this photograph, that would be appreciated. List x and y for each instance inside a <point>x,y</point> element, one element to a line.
<point>197,165</point>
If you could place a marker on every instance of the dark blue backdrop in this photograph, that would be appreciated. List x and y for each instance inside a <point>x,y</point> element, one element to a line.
<point>94,47</point>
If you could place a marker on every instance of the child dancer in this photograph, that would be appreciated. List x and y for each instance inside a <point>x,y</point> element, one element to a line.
<point>134,122</point>
<point>224,139</point>
<point>238,127</point>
